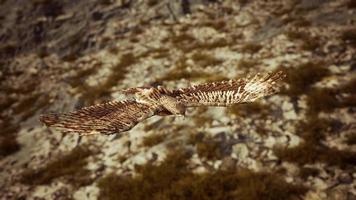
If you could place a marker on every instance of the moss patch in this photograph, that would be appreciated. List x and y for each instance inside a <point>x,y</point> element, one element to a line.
<point>173,179</point>
<point>71,167</point>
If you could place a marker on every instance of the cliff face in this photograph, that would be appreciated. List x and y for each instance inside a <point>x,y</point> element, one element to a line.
<point>62,55</point>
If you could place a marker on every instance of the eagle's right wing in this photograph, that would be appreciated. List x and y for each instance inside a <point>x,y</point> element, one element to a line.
<point>107,118</point>
<point>225,93</point>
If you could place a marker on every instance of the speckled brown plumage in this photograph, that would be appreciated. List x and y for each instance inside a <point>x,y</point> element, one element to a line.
<point>230,92</point>
<point>108,118</point>
<point>115,117</point>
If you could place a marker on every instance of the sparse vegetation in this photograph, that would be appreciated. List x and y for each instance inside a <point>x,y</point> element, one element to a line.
<point>348,87</point>
<point>295,35</point>
<point>28,106</point>
<point>207,147</point>
<point>183,41</point>
<point>349,36</point>
<point>221,42</point>
<point>8,145</point>
<point>155,53</point>
<point>301,22</point>
<point>182,71</point>
<point>173,179</point>
<point>70,167</point>
<point>321,100</point>
<point>351,138</point>
<point>313,150</point>
<point>326,100</point>
<point>154,139</point>
<point>210,149</point>
<point>90,94</point>
<point>193,75</point>
<point>245,110</point>
<point>202,120</point>
<point>123,158</point>
<point>8,50</point>
<point>8,142</point>
<point>195,138</point>
<point>314,130</point>
<point>306,172</point>
<point>247,64</point>
<point>351,4</point>
<point>188,43</point>
<point>301,78</point>
<point>309,43</point>
<point>218,25</point>
<point>78,79</point>
<point>204,60</point>
<point>152,2</point>
<point>310,153</point>
<point>251,48</point>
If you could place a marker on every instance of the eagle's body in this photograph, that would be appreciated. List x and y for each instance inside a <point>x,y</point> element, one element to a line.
<point>115,117</point>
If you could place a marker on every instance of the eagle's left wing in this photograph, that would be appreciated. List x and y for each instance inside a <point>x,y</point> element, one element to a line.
<point>225,93</point>
<point>107,118</point>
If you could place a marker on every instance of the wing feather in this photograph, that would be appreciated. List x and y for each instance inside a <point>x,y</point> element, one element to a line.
<point>225,93</point>
<point>108,118</point>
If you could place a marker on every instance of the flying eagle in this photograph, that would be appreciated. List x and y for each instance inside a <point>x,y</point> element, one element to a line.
<point>119,116</point>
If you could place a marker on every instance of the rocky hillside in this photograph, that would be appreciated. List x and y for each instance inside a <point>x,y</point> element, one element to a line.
<point>57,56</point>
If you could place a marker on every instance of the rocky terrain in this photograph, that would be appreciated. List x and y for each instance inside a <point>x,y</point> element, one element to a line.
<point>57,56</point>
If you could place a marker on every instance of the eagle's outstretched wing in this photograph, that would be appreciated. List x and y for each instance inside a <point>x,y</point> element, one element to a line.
<point>107,118</point>
<point>226,93</point>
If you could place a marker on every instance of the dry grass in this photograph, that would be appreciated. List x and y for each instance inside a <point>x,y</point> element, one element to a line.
<point>312,150</point>
<point>70,167</point>
<point>204,60</point>
<point>91,94</point>
<point>301,78</point>
<point>172,179</point>
<point>154,139</point>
